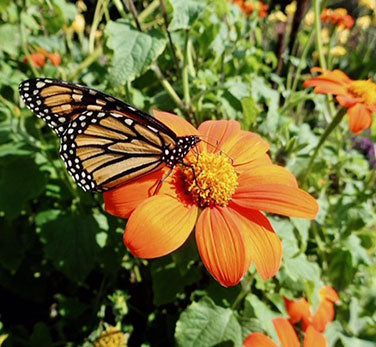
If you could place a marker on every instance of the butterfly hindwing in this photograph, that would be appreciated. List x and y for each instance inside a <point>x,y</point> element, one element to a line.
<point>103,149</point>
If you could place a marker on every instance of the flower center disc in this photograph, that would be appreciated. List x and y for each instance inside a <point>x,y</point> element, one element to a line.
<point>211,179</point>
<point>366,90</point>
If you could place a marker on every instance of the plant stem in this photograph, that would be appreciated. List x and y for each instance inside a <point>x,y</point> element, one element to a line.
<point>25,50</point>
<point>246,284</point>
<point>336,120</point>
<point>87,62</point>
<point>167,86</point>
<point>148,10</point>
<point>98,13</point>
<point>185,77</point>
<point>134,13</point>
<point>319,46</point>
<point>302,61</point>
<point>164,13</point>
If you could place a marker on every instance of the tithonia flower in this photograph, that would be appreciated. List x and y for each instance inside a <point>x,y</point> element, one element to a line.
<point>37,59</point>
<point>248,6</point>
<point>358,96</point>
<point>300,310</point>
<point>111,337</point>
<point>364,22</point>
<point>221,194</point>
<point>54,58</point>
<point>338,17</point>
<point>338,51</point>
<point>287,337</point>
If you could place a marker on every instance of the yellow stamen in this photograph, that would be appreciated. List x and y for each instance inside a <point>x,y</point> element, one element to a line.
<point>364,89</point>
<point>211,180</point>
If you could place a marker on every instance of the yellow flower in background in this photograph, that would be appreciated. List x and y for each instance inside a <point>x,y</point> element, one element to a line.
<point>278,16</point>
<point>325,35</point>
<point>369,3</point>
<point>364,22</point>
<point>291,9</point>
<point>309,18</point>
<point>78,24</point>
<point>343,36</point>
<point>112,337</point>
<point>338,51</point>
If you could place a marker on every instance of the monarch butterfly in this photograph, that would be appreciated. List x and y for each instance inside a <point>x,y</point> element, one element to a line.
<point>104,141</point>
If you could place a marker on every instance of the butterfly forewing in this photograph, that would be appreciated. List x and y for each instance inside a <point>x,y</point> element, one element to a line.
<point>103,150</point>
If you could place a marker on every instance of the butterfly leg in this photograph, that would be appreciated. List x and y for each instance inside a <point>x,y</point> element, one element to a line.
<point>162,180</point>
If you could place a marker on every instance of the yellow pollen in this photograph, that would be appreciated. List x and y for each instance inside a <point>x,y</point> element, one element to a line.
<point>211,180</point>
<point>364,89</point>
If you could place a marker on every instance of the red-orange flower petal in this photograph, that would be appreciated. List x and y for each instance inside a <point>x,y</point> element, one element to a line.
<point>313,338</point>
<point>347,101</point>
<point>218,133</point>
<point>158,226</point>
<point>285,199</point>
<point>262,243</point>
<point>360,118</point>
<point>221,244</point>
<point>177,124</point>
<point>323,315</point>
<point>329,293</point>
<point>259,340</point>
<point>285,332</point>
<point>298,310</point>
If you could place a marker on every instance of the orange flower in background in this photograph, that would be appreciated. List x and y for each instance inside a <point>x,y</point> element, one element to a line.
<point>38,58</point>
<point>287,337</point>
<point>220,192</point>
<point>300,310</point>
<point>249,6</point>
<point>338,17</point>
<point>359,97</point>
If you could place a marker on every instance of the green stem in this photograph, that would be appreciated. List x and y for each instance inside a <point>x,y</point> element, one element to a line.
<point>24,48</point>
<point>119,6</point>
<point>246,284</point>
<point>98,13</point>
<point>167,86</point>
<point>135,14</point>
<point>87,62</point>
<point>148,10</point>
<point>302,61</point>
<point>319,46</point>
<point>185,77</point>
<point>336,120</point>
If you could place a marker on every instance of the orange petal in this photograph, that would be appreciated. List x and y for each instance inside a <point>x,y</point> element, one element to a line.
<point>218,132</point>
<point>258,340</point>
<point>158,226</point>
<point>298,310</point>
<point>286,333</point>
<point>323,315</point>
<point>176,123</point>
<point>313,338</point>
<point>360,118</point>
<point>346,100</point>
<point>221,244</point>
<point>267,174</point>
<point>325,86</point>
<point>263,245</point>
<point>276,198</point>
<point>245,148</point>
<point>123,200</point>
<point>329,293</point>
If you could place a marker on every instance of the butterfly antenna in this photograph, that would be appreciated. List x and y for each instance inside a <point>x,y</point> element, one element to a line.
<point>216,146</point>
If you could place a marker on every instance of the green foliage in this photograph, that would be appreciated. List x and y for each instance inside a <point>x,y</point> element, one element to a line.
<point>65,275</point>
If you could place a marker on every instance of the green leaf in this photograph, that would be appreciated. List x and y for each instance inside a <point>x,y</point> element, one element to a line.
<point>134,51</point>
<point>20,180</point>
<point>12,249</point>
<point>169,281</point>
<point>250,112</point>
<point>341,268</point>
<point>185,13</point>
<point>205,324</point>
<point>9,39</point>
<point>70,244</point>
<point>41,336</point>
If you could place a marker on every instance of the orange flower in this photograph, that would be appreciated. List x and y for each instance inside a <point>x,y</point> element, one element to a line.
<point>300,310</point>
<point>359,97</point>
<point>338,17</point>
<point>287,337</point>
<point>54,58</point>
<point>249,6</point>
<point>222,194</point>
<point>37,59</point>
